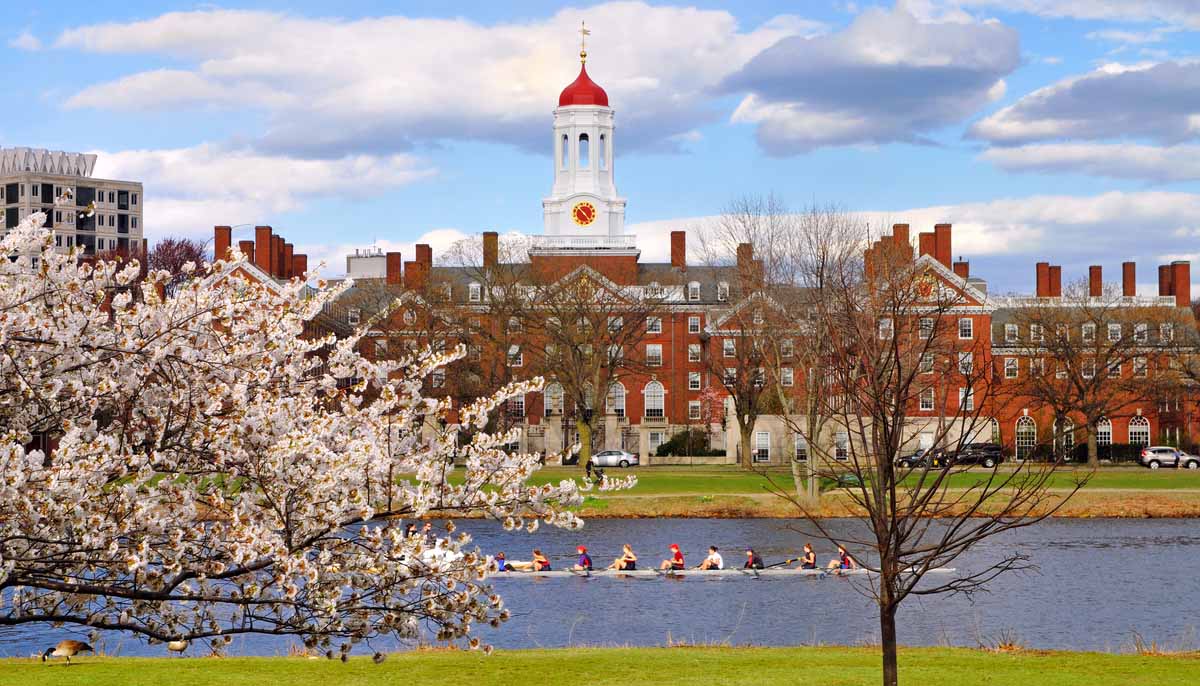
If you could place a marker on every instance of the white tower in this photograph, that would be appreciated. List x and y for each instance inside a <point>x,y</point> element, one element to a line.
<point>583,210</point>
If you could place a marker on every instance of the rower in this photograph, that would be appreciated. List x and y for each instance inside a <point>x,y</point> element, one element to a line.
<point>809,559</point>
<point>842,561</point>
<point>584,563</point>
<point>539,563</point>
<point>753,560</point>
<point>627,561</point>
<point>714,559</point>
<point>676,561</point>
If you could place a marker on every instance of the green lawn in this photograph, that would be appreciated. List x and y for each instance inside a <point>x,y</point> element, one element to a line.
<point>624,667</point>
<point>734,480</point>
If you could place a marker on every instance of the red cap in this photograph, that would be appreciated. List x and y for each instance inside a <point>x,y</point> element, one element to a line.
<point>583,91</point>
<point>582,549</point>
<point>674,546</point>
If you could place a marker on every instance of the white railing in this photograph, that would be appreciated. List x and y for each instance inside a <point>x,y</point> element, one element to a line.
<point>571,242</point>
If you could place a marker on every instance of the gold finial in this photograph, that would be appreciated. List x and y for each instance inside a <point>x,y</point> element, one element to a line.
<point>583,34</point>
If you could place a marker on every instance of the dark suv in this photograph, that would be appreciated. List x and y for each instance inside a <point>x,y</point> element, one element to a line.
<point>986,454</point>
<point>923,459</point>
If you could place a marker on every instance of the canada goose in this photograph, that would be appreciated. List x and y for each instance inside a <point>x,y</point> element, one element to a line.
<point>66,649</point>
<point>177,646</point>
<point>378,658</point>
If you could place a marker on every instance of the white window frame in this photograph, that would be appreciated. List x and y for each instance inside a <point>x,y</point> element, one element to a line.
<point>693,381</point>
<point>787,377</point>
<point>693,325</point>
<point>722,291</point>
<point>516,357</point>
<point>925,365</point>
<point>966,399</point>
<point>925,328</point>
<point>1166,332</point>
<point>1012,367</point>
<point>1141,332</point>
<point>966,329</point>
<point>654,354</point>
<point>1141,368</point>
<point>655,394</point>
<point>887,329</point>
<point>475,292</point>
<point>694,410</point>
<point>729,348</point>
<point>800,449</point>
<point>730,377</point>
<point>1011,333</point>
<point>1088,332</point>
<point>1037,333</point>
<point>762,446</point>
<point>927,400</point>
<point>693,352</point>
<point>841,446</point>
<point>787,348</point>
<point>966,363</point>
<point>1114,333</point>
<point>353,316</point>
<point>693,291</point>
<point>653,324</point>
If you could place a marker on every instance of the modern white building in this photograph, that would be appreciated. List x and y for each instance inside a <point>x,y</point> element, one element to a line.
<point>100,215</point>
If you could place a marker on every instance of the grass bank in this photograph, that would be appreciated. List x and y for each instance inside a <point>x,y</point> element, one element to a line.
<point>626,666</point>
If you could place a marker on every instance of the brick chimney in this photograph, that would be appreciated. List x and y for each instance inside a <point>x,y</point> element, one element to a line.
<point>286,268</point>
<point>1128,279</point>
<point>942,243</point>
<point>247,248</point>
<point>262,248</point>
<point>222,239</point>
<point>394,272</point>
<point>300,265</point>
<point>962,269</point>
<point>745,256</point>
<point>1054,278</point>
<point>927,243</point>
<point>425,256</point>
<point>1095,281</point>
<point>1043,279</point>
<point>1165,280</point>
<point>491,249</point>
<point>900,241</point>
<point>277,256</point>
<point>679,250</point>
<point>416,274</point>
<point>1181,273</point>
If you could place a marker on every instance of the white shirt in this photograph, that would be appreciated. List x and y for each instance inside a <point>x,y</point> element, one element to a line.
<point>715,561</point>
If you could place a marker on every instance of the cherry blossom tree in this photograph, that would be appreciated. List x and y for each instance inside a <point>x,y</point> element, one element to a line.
<point>190,467</point>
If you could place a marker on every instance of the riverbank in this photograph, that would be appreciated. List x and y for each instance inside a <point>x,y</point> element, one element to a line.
<point>625,666</point>
<point>731,492</point>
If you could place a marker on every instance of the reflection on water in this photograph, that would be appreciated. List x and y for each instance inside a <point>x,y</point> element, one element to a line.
<point>1098,582</point>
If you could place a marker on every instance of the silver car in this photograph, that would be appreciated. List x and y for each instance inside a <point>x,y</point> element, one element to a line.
<point>1165,456</point>
<point>615,458</point>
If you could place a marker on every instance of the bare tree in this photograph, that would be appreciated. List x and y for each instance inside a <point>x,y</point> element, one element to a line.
<point>171,254</point>
<point>899,332</point>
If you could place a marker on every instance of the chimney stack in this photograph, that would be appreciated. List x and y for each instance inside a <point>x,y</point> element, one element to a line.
<point>262,248</point>
<point>1128,279</point>
<point>745,256</point>
<point>927,243</point>
<point>1095,281</point>
<point>491,249</point>
<point>300,266</point>
<point>962,269</point>
<point>425,256</point>
<point>286,268</point>
<point>222,239</point>
<point>900,241</point>
<point>277,256</point>
<point>415,274</point>
<point>679,250</point>
<point>942,243</point>
<point>247,248</point>
<point>394,269</point>
<point>1054,277</point>
<point>1165,280</point>
<point>1043,279</point>
<point>1181,272</point>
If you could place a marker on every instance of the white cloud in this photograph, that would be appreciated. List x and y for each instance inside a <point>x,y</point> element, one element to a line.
<point>189,189</point>
<point>1132,37</point>
<point>26,41</point>
<point>1180,12</point>
<point>330,86</point>
<point>1113,160</point>
<point>887,77</point>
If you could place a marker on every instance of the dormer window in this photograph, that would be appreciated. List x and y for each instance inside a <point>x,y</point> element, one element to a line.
<point>723,291</point>
<point>353,316</point>
<point>476,293</point>
<point>693,290</point>
<point>654,290</point>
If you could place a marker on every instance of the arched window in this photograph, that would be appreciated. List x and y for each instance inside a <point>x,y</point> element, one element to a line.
<point>566,151</point>
<point>1026,437</point>
<point>554,399</point>
<point>1103,432</point>
<point>616,399</point>
<point>584,158</point>
<point>1139,431</point>
<point>602,152</point>
<point>655,400</point>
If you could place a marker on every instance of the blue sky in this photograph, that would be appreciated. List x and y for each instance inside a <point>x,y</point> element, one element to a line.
<point>1059,130</point>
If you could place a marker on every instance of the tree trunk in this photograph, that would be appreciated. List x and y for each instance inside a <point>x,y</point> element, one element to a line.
<point>585,441</point>
<point>798,480</point>
<point>745,433</point>
<point>887,635</point>
<point>1093,447</point>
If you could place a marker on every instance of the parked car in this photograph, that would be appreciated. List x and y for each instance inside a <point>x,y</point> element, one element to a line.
<point>1165,456</point>
<point>615,458</point>
<point>922,459</point>
<point>986,454</point>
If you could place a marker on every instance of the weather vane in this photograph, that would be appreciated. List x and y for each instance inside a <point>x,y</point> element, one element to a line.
<point>583,34</point>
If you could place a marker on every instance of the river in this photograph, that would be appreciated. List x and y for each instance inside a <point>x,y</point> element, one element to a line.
<point>1098,582</point>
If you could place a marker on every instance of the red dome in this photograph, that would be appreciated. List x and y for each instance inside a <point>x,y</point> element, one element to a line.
<point>583,91</point>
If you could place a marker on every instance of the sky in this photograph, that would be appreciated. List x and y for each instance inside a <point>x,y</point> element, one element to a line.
<point>1057,130</point>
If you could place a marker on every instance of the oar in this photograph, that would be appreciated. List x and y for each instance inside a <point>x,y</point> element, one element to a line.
<point>788,561</point>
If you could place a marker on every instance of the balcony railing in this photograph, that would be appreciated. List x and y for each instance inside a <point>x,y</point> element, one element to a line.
<point>571,242</point>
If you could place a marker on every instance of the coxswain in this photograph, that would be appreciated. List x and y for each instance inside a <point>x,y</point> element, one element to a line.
<point>753,560</point>
<point>714,559</point>
<point>584,563</point>
<point>842,561</point>
<point>809,559</point>
<point>501,563</point>
<point>627,561</point>
<point>676,561</point>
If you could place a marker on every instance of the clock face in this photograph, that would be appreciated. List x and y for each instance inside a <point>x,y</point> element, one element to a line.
<point>583,213</point>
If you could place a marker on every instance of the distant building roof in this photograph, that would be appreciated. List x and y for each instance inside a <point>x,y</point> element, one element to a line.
<point>17,160</point>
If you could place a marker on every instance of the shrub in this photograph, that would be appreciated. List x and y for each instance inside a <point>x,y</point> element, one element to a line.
<point>688,442</point>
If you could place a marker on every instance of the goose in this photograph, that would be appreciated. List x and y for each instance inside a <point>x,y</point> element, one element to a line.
<point>177,646</point>
<point>67,649</point>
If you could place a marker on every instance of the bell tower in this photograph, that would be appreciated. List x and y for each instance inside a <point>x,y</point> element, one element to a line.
<point>583,210</point>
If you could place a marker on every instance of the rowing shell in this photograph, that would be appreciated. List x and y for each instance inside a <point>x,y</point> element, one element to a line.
<point>651,573</point>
